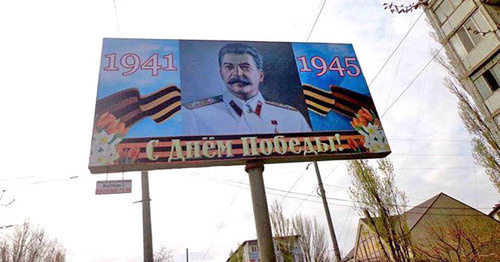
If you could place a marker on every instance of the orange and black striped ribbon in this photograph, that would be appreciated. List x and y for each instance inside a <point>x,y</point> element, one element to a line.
<point>130,107</point>
<point>339,99</point>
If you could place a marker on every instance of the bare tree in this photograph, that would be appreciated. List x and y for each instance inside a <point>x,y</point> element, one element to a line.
<point>383,204</point>
<point>312,238</point>
<point>30,243</point>
<point>163,255</point>
<point>460,238</point>
<point>405,8</point>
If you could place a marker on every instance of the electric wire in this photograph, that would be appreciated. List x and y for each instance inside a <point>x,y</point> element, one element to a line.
<point>316,20</point>
<point>394,51</point>
<point>398,64</point>
<point>296,181</point>
<point>430,140</point>
<point>41,182</point>
<point>412,81</point>
<point>117,20</point>
<point>222,222</point>
<point>282,192</point>
<point>387,46</point>
<point>414,130</point>
<point>342,229</point>
<point>311,194</point>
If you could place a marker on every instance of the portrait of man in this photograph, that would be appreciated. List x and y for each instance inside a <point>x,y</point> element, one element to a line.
<point>241,108</point>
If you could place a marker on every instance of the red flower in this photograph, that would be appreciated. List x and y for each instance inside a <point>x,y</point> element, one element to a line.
<point>362,121</point>
<point>121,129</point>
<point>363,113</point>
<point>118,129</point>
<point>356,122</point>
<point>105,120</point>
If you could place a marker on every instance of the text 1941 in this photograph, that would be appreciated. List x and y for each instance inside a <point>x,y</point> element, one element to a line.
<point>129,63</point>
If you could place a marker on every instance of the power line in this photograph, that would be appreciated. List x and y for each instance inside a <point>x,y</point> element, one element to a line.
<point>296,181</point>
<point>316,20</point>
<point>43,182</point>
<point>397,66</point>
<point>117,21</point>
<point>310,194</point>
<point>412,81</point>
<point>222,222</point>
<point>232,183</point>
<point>393,52</point>
<point>430,140</point>
<point>16,178</point>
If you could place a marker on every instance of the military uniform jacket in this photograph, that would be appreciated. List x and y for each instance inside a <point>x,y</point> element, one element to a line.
<point>226,114</point>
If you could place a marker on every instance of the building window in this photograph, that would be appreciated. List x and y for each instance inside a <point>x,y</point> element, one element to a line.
<point>497,119</point>
<point>467,36</point>
<point>254,249</point>
<point>488,82</point>
<point>446,8</point>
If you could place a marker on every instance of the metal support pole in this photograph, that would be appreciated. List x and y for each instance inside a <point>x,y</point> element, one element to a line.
<point>146,219</point>
<point>187,255</point>
<point>327,212</point>
<point>261,212</point>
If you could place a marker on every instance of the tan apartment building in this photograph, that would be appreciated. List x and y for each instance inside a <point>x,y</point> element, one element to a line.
<point>469,31</point>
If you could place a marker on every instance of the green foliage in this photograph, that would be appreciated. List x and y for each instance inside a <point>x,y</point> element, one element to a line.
<point>485,144</point>
<point>236,256</point>
<point>486,147</point>
<point>383,204</point>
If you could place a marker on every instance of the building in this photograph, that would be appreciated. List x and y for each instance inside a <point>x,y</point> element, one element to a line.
<point>437,227</point>
<point>249,250</point>
<point>469,31</point>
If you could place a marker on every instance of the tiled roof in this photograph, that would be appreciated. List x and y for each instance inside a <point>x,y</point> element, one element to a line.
<point>416,213</point>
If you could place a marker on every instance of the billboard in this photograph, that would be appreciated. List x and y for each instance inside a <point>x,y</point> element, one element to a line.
<point>186,103</point>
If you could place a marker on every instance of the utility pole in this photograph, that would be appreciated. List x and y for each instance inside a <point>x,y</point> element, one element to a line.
<point>327,212</point>
<point>187,255</point>
<point>260,211</point>
<point>146,219</point>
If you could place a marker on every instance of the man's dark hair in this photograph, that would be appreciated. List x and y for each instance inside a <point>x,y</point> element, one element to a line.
<point>241,49</point>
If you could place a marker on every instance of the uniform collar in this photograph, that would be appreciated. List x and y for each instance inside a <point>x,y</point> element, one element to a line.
<point>237,106</point>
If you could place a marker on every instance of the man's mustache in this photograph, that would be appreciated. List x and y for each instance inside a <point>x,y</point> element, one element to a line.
<point>239,80</point>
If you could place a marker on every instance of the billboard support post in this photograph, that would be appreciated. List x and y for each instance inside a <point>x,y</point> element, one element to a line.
<point>146,219</point>
<point>261,211</point>
<point>327,212</point>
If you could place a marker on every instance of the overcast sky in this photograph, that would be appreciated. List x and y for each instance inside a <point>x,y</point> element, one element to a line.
<point>50,53</point>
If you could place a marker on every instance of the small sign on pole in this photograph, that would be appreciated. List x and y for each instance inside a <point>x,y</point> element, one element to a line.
<point>113,187</point>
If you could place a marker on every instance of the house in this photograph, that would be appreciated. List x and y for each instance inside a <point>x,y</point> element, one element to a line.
<point>470,32</point>
<point>439,228</point>
<point>249,250</point>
